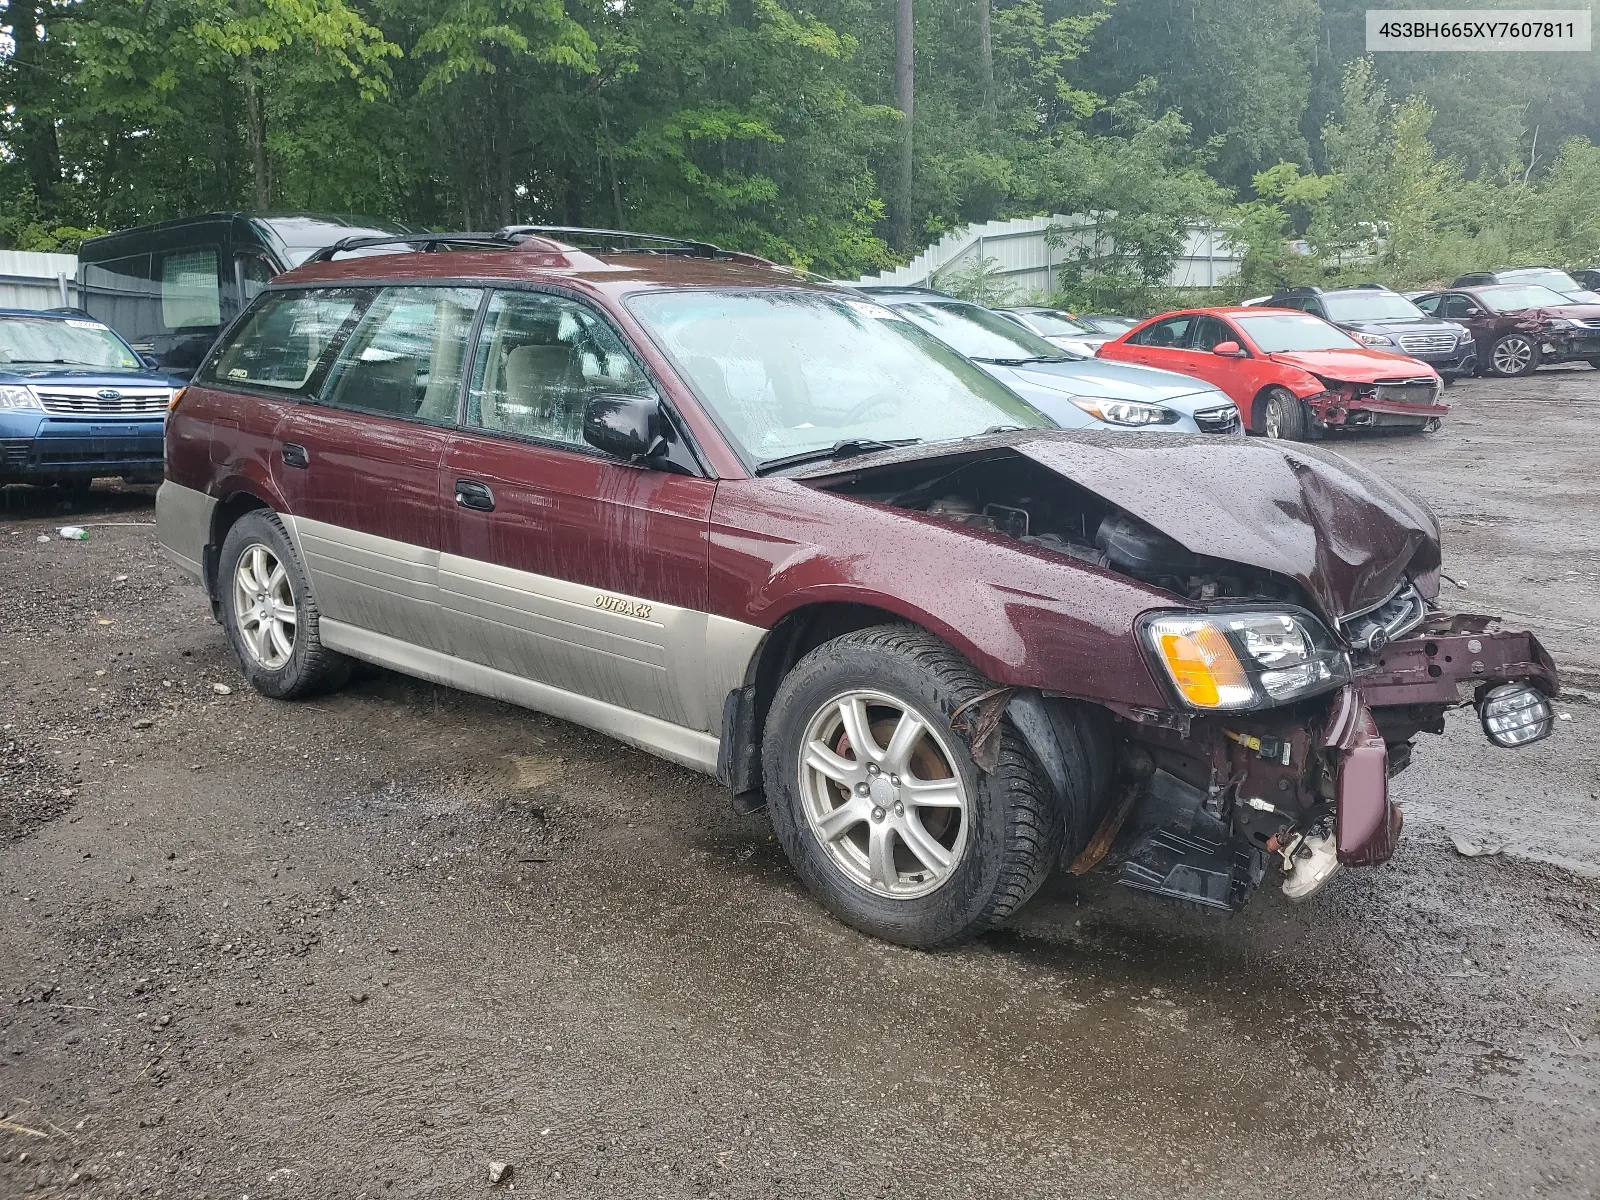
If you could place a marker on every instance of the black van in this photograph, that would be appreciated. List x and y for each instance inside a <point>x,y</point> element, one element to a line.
<point>170,288</point>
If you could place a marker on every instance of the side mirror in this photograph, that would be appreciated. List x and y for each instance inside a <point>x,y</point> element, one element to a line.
<point>1230,350</point>
<point>151,361</point>
<point>628,427</point>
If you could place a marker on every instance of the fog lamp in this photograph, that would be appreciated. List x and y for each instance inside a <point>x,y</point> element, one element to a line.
<point>1515,714</point>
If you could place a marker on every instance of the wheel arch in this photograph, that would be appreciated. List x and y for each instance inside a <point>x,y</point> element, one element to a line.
<point>223,518</point>
<point>1042,723</point>
<point>794,635</point>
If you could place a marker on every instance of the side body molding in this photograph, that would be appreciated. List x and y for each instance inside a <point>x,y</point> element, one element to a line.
<point>653,675</point>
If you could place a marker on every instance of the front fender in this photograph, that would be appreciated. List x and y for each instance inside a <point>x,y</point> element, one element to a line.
<point>1024,616</point>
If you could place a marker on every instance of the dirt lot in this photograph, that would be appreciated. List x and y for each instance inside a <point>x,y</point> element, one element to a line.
<point>364,946</point>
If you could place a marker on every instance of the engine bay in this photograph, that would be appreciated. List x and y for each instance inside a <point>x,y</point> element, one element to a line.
<point>1009,495</point>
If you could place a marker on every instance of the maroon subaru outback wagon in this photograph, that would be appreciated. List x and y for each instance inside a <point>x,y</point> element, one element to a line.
<point>768,529</point>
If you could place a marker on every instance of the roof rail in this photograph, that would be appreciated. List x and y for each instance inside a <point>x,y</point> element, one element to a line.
<point>426,242</point>
<point>1304,289</point>
<point>1372,286</point>
<point>659,243</point>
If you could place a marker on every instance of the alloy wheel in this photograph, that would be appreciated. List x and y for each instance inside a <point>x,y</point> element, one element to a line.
<point>1274,417</point>
<point>1512,355</point>
<point>881,793</point>
<point>264,607</point>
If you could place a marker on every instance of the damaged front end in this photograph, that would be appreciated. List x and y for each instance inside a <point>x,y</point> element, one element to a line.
<point>1410,402</point>
<point>1223,797</point>
<point>1292,639</point>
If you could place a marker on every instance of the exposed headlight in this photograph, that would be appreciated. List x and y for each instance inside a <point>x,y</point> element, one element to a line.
<point>1567,323</point>
<point>1374,339</point>
<point>1125,412</point>
<point>18,397</point>
<point>1244,660</point>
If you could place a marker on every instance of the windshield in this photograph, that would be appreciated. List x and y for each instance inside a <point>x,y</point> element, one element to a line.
<point>977,332</point>
<point>787,372</point>
<point>1556,281</point>
<point>1115,326</point>
<point>1515,298</point>
<point>1371,306</point>
<point>1285,332</point>
<point>1058,324</point>
<point>36,340</point>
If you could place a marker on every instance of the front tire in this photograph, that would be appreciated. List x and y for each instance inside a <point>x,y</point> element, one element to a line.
<point>1514,355</point>
<point>878,803</point>
<point>1282,415</point>
<point>269,613</point>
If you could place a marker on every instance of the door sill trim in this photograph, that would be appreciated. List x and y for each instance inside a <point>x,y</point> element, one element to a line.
<point>687,747</point>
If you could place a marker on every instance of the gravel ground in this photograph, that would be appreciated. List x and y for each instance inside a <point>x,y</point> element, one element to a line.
<point>366,945</point>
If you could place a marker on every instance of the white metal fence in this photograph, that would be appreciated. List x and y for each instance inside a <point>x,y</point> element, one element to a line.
<point>1017,255</point>
<point>32,280</point>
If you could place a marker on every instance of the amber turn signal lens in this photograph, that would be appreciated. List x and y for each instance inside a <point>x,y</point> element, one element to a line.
<point>176,396</point>
<point>1201,663</point>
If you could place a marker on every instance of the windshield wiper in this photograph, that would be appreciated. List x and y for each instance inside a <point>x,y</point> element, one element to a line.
<point>39,362</point>
<point>1022,362</point>
<point>843,448</point>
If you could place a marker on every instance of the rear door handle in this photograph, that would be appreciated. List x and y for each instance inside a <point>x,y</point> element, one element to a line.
<point>294,455</point>
<point>472,494</point>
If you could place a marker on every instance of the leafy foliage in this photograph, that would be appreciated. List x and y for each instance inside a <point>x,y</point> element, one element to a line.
<point>772,126</point>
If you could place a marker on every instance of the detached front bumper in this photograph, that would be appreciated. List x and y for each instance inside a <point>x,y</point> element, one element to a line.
<point>1573,345</point>
<point>1370,412</point>
<point>1309,784</point>
<point>1450,660</point>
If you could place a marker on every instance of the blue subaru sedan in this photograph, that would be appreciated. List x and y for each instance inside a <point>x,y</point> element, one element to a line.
<point>76,402</point>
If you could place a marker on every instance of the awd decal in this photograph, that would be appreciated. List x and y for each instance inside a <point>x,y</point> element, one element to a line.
<point>628,608</point>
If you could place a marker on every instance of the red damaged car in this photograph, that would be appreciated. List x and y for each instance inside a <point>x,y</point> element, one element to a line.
<point>772,531</point>
<point>1293,375</point>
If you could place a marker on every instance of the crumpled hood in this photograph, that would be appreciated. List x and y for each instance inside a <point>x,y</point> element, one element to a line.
<point>1344,535</point>
<point>1575,311</point>
<point>1354,366</point>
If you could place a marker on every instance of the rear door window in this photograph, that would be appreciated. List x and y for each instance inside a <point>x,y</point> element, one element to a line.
<point>405,357</point>
<point>1170,334</point>
<point>280,345</point>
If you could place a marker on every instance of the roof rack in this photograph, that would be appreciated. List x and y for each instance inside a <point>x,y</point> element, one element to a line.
<point>426,242</point>
<point>658,243</point>
<point>1302,290</point>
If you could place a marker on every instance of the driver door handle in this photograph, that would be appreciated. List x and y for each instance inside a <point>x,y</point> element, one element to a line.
<point>472,494</point>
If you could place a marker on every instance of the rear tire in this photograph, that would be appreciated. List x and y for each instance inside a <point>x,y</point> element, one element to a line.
<point>1281,415</point>
<point>1513,356</point>
<point>269,612</point>
<point>866,833</point>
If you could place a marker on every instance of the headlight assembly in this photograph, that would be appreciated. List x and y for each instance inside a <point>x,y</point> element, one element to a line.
<point>18,397</point>
<point>1244,660</point>
<point>1125,412</point>
<point>1374,339</point>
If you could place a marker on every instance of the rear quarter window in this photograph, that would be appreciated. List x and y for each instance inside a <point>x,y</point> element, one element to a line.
<point>280,345</point>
